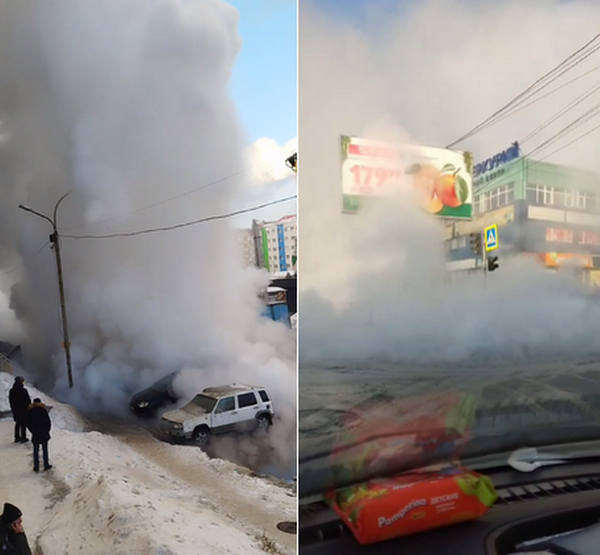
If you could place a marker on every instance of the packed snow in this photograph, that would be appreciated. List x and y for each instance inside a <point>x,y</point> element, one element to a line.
<point>140,496</point>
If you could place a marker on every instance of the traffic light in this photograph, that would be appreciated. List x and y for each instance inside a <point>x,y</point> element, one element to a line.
<point>492,263</point>
<point>292,162</point>
<point>475,239</point>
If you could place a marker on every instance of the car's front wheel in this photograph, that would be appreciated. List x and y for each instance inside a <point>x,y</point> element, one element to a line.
<point>201,436</point>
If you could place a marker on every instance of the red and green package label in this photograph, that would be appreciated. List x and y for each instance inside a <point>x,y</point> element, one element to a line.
<point>380,510</point>
<point>398,433</point>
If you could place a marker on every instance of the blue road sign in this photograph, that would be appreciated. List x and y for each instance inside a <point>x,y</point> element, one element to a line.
<point>490,235</point>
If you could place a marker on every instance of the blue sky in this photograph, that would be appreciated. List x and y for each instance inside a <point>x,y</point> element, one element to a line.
<point>264,88</point>
<point>353,11</point>
<point>264,80</point>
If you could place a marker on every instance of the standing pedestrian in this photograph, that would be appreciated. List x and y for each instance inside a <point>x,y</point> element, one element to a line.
<point>13,540</point>
<point>19,400</point>
<point>38,422</point>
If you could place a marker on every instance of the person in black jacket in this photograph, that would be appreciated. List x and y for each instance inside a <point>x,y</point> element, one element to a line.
<point>38,422</point>
<point>19,400</point>
<point>13,540</point>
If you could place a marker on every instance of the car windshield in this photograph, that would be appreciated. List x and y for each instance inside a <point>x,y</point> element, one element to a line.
<point>450,296</point>
<point>163,385</point>
<point>204,402</point>
<point>357,423</point>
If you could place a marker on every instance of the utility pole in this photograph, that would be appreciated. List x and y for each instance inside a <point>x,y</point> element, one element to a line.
<point>55,240</point>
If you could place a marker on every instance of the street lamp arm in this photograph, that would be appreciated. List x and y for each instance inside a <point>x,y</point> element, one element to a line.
<point>27,209</point>
<point>57,203</point>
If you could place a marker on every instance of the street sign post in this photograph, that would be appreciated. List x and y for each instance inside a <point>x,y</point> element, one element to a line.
<point>490,236</point>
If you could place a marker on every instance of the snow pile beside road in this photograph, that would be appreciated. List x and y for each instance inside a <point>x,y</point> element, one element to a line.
<point>120,504</point>
<point>64,417</point>
<point>137,495</point>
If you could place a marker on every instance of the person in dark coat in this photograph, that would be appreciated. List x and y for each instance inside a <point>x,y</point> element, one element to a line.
<point>38,422</point>
<point>19,400</point>
<point>13,540</point>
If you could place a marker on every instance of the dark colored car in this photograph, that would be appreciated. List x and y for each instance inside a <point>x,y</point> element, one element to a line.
<point>148,401</point>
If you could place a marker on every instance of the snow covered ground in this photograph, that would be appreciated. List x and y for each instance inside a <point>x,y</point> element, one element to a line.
<point>142,496</point>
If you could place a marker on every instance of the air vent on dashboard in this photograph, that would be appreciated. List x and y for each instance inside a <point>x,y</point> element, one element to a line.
<point>541,490</point>
<point>329,531</point>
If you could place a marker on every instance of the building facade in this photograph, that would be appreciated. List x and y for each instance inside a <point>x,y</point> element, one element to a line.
<point>271,245</point>
<point>246,247</point>
<point>279,241</point>
<point>544,210</point>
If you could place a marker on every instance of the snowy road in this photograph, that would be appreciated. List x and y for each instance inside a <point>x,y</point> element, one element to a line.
<point>127,492</point>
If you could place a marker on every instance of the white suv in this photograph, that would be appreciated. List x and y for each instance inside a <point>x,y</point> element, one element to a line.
<point>218,410</point>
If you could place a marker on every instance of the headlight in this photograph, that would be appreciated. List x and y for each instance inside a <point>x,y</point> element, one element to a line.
<point>178,426</point>
<point>143,404</point>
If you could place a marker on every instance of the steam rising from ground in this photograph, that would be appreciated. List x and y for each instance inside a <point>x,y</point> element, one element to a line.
<point>125,103</point>
<point>373,285</point>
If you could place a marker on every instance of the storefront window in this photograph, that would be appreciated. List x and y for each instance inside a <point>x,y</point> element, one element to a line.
<point>555,235</point>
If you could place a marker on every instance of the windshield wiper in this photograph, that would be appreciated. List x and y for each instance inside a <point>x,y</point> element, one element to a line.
<point>528,459</point>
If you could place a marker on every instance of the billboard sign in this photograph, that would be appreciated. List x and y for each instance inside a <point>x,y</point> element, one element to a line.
<point>442,178</point>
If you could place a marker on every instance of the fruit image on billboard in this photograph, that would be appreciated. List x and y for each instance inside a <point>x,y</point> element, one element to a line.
<point>441,178</point>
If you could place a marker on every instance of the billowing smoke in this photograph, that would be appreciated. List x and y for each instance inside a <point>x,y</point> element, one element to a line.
<point>373,285</point>
<point>268,159</point>
<point>125,104</point>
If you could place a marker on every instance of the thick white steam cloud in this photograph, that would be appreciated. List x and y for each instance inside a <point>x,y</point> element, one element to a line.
<point>268,159</point>
<point>125,103</point>
<point>373,284</point>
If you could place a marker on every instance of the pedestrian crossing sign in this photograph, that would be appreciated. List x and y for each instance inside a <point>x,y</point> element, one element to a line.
<point>491,237</point>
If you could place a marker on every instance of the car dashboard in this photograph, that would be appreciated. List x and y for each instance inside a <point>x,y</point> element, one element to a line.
<point>555,510</point>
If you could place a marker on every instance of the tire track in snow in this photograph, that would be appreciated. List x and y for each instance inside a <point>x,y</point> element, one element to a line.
<point>220,484</point>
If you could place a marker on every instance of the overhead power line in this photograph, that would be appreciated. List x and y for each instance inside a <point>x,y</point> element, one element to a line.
<point>28,258</point>
<point>202,187</point>
<point>185,224</point>
<point>571,61</point>
<point>561,113</point>
<point>591,113</point>
<point>571,142</point>
<point>519,107</point>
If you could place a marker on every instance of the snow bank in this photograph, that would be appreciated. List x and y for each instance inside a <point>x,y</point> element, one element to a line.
<point>106,496</point>
<point>64,417</point>
<point>124,507</point>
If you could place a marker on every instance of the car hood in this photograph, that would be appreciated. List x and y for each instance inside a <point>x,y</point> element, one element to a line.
<point>185,413</point>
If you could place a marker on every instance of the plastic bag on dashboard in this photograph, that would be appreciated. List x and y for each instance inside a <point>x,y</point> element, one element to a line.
<point>388,508</point>
<point>385,436</point>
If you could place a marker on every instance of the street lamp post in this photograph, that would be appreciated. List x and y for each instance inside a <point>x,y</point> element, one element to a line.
<point>55,239</point>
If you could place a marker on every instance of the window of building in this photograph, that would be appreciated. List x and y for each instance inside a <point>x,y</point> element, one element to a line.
<point>540,194</point>
<point>496,198</point>
<point>483,202</point>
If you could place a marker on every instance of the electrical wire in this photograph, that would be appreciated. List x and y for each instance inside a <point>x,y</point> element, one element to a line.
<point>571,142</point>
<point>533,93</point>
<point>26,260</point>
<point>202,187</point>
<point>519,108</point>
<point>531,90</point>
<point>560,113</point>
<point>530,163</point>
<point>185,224</point>
<point>587,116</point>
